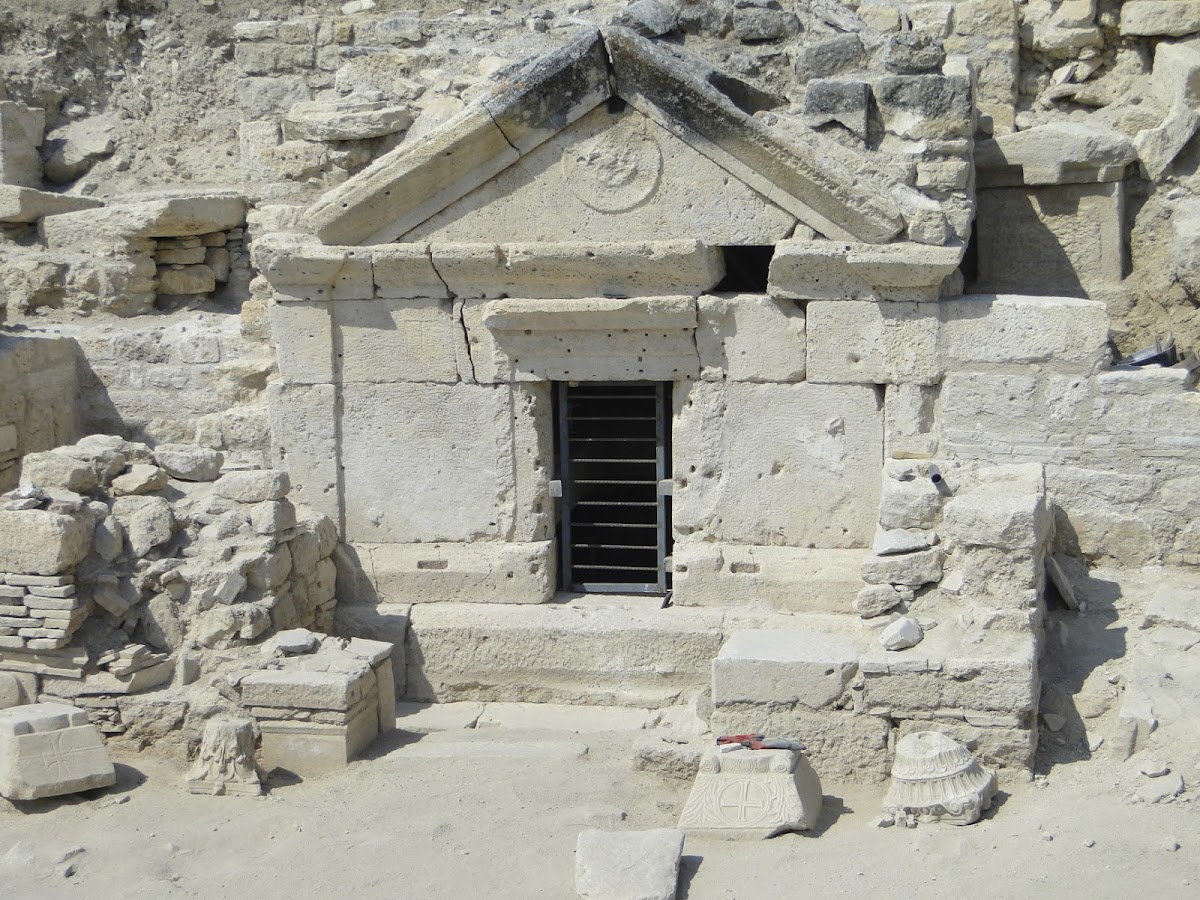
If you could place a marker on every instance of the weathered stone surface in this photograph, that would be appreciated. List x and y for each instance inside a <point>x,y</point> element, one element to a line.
<point>301,689</point>
<point>901,634</point>
<point>492,455</point>
<point>748,337</point>
<point>225,763</point>
<point>1008,511</point>
<point>300,268</point>
<point>905,569</point>
<point>805,667</point>
<point>811,452</point>
<point>49,749</point>
<point>1056,240</point>
<point>909,502</point>
<point>877,599</point>
<point>406,272</point>
<point>309,749</point>
<point>901,540</point>
<point>1058,153</point>
<point>36,542</point>
<point>611,177</point>
<point>189,462</point>
<point>140,479</point>
<point>253,485</point>
<point>21,130</point>
<point>352,119</point>
<point>1058,333</point>
<point>556,270</point>
<point>182,280</point>
<point>148,522</point>
<point>54,470</point>
<point>165,217</point>
<point>772,792</point>
<point>396,340</point>
<point>70,150</point>
<point>872,343</point>
<point>828,270</point>
<point>1157,148</point>
<point>582,340</point>
<point>479,572</point>
<point>304,440</point>
<point>838,100</point>
<point>1160,18</point>
<point>628,865</point>
<point>926,106</point>
<point>794,578</point>
<point>22,204</point>
<point>828,57</point>
<point>1175,607</point>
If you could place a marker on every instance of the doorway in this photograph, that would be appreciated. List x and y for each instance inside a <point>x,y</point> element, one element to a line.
<point>612,442</point>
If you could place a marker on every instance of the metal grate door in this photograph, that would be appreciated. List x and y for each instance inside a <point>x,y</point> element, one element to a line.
<point>614,463</point>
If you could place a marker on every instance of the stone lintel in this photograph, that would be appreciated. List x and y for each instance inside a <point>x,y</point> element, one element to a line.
<point>659,313</point>
<point>831,270</point>
<point>22,204</point>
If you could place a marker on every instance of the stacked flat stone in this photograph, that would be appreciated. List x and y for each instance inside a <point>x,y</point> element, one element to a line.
<point>39,612</point>
<point>194,264</point>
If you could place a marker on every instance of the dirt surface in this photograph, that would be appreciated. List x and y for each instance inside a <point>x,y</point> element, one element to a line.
<point>495,813</point>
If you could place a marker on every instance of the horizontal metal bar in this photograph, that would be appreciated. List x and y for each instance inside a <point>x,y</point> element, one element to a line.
<point>653,546</point>
<point>615,568</point>
<point>580,459</point>
<point>614,525</point>
<point>617,503</point>
<point>614,481</point>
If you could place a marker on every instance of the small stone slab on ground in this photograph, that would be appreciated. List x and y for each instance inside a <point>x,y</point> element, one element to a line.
<point>628,865</point>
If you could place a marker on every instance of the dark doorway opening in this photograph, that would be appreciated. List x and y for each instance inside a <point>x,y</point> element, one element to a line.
<point>612,442</point>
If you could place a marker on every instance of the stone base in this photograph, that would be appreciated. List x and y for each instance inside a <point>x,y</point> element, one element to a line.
<point>752,794</point>
<point>49,749</point>
<point>308,749</point>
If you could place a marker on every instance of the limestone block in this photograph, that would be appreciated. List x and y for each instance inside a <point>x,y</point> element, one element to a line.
<point>838,100</point>
<point>406,272</point>
<point>481,572</point>
<point>253,485</point>
<point>225,763</point>
<point>396,340</point>
<point>794,578</point>
<point>1058,333</point>
<point>910,430</point>
<point>573,172</point>
<point>1158,147</point>
<point>877,599</point>
<point>628,865</point>
<point>463,462</point>
<point>833,55</point>
<point>303,422</point>
<point>381,623</point>
<point>1160,18</point>
<point>310,749</point>
<point>148,522</point>
<point>168,216</point>
<point>556,270</point>
<point>851,342</point>
<point>602,654</point>
<point>23,204</point>
<point>1058,240</point>
<point>189,462</point>
<point>140,479</point>
<point>750,338</point>
<point>55,470</point>
<point>926,106</point>
<point>828,270</point>
<point>987,404</point>
<point>901,540</point>
<point>37,542</point>
<point>303,336</point>
<point>753,793</point>
<point>406,186</point>
<point>810,668</point>
<point>21,130</point>
<point>902,634</point>
<point>299,268</point>
<point>905,569</point>
<point>1176,75</point>
<point>292,688</point>
<point>811,453</point>
<point>582,340</point>
<point>998,518</point>
<point>50,749</point>
<point>348,119</point>
<point>183,280</point>
<point>1173,606</point>
<point>908,499</point>
<point>841,745</point>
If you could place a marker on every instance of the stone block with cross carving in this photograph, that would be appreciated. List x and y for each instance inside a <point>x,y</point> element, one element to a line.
<point>747,793</point>
<point>48,749</point>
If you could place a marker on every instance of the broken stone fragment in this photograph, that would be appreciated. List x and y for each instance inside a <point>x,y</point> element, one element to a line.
<point>648,18</point>
<point>50,749</point>
<point>148,522</point>
<point>901,634</point>
<point>913,52</point>
<point>186,280</point>
<point>837,100</point>
<point>935,779</point>
<point>755,21</point>
<point>876,599</point>
<point>902,540</point>
<point>189,462</point>
<point>22,204</point>
<point>348,119</point>
<point>70,151</point>
<point>624,865</point>
<point>253,485</point>
<point>225,763</point>
<point>140,479</point>
<point>40,542</point>
<point>905,569</point>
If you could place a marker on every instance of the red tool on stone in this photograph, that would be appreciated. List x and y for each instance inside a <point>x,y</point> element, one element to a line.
<point>759,742</point>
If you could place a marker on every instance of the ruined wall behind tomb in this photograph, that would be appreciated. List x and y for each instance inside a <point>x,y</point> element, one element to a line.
<point>38,399</point>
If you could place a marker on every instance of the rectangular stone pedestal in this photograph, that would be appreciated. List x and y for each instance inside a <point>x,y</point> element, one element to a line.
<point>308,749</point>
<point>752,794</point>
<point>48,749</point>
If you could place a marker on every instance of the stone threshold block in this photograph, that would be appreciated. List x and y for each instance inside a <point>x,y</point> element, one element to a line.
<point>309,749</point>
<point>601,651</point>
<point>783,578</point>
<point>49,749</point>
<point>752,794</point>
<point>480,572</point>
<point>811,668</point>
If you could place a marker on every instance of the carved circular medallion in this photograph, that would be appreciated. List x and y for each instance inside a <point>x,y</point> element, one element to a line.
<point>616,170</point>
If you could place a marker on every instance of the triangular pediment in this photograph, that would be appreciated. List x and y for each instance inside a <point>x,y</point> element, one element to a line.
<point>613,175</point>
<point>543,113</point>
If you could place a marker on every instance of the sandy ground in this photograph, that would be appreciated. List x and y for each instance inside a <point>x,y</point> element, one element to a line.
<point>495,813</point>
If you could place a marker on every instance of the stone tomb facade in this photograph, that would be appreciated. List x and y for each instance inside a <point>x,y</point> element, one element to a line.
<point>607,222</point>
